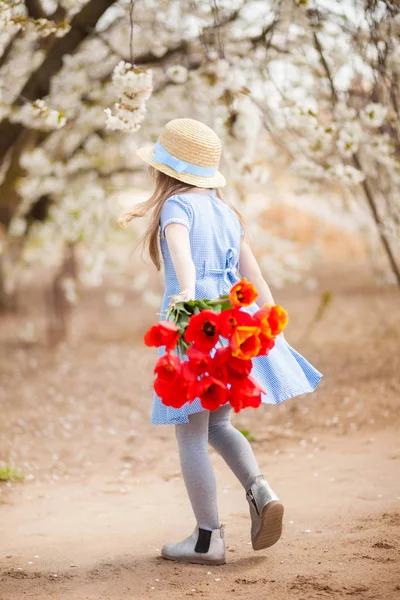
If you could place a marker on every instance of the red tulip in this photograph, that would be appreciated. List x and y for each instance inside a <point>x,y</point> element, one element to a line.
<point>168,367</point>
<point>163,333</point>
<point>203,330</point>
<point>198,360</point>
<point>167,384</point>
<point>175,383</point>
<point>267,343</point>
<point>218,364</point>
<point>238,368</point>
<point>232,318</point>
<point>188,381</point>
<point>262,316</point>
<point>226,367</point>
<point>245,393</point>
<point>212,393</point>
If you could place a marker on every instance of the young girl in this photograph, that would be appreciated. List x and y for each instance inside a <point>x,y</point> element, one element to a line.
<point>202,244</point>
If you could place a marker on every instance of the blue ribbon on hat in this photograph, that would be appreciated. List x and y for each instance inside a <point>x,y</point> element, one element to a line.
<point>162,156</point>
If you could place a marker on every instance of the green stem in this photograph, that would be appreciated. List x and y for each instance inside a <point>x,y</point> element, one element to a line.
<point>225,304</point>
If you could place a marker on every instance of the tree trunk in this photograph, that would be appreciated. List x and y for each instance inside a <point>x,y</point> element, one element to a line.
<point>8,259</point>
<point>7,300</point>
<point>9,196</point>
<point>59,309</point>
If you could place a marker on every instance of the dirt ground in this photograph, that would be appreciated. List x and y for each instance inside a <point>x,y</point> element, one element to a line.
<point>103,492</point>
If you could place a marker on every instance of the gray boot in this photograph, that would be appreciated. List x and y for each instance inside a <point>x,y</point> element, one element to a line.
<point>202,547</point>
<point>266,514</point>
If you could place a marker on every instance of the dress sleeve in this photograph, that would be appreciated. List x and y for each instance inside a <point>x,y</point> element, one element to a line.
<point>176,210</point>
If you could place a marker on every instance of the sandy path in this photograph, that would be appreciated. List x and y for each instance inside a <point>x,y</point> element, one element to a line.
<point>341,533</point>
<point>104,493</point>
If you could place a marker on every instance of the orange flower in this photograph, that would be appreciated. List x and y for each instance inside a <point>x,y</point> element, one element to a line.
<point>277,319</point>
<point>273,319</point>
<point>245,342</point>
<point>262,316</point>
<point>243,293</point>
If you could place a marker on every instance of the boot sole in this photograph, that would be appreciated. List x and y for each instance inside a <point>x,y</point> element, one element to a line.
<point>271,526</point>
<point>199,561</point>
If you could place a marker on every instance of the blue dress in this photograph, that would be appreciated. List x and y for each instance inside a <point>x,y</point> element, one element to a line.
<point>215,233</point>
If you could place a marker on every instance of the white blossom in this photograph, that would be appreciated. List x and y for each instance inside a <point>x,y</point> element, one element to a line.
<point>177,73</point>
<point>346,174</point>
<point>374,114</point>
<point>36,161</point>
<point>347,144</point>
<point>134,87</point>
<point>17,227</point>
<point>44,28</point>
<point>37,115</point>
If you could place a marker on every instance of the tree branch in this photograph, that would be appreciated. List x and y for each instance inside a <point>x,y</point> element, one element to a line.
<point>325,66</point>
<point>379,225</point>
<point>35,9</point>
<point>38,84</point>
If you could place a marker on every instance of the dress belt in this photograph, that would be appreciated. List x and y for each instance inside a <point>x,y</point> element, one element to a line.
<point>230,270</point>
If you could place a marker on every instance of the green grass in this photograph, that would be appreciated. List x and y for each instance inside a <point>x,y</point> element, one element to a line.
<point>10,474</point>
<point>248,435</point>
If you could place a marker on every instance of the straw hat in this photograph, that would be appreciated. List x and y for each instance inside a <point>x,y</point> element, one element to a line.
<point>189,151</point>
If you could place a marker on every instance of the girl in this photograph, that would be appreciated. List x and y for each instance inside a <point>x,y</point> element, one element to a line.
<point>202,244</point>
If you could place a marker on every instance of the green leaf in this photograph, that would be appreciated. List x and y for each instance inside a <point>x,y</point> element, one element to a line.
<point>248,435</point>
<point>182,307</point>
<point>325,301</point>
<point>202,304</point>
<point>10,474</point>
<point>183,322</point>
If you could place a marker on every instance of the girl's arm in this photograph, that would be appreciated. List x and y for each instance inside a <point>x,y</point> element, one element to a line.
<point>251,271</point>
<point>178,241</point>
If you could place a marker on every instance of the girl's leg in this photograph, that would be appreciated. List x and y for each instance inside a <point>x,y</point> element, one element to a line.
<point>232,446</point>
<point>197,470</point>
<point>265,509</point>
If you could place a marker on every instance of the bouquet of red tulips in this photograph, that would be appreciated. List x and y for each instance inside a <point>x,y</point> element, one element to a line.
<point>214,342</point>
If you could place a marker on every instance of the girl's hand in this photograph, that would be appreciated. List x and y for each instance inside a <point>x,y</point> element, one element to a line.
<point>183,296</point>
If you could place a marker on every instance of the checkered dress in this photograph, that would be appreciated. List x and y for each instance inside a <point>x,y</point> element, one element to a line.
<point>215,233</point>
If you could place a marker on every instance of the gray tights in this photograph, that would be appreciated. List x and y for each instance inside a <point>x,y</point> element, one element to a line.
<point>215,428</point>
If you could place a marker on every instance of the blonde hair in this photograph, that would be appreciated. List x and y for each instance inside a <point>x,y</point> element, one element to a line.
<point>166,187</point>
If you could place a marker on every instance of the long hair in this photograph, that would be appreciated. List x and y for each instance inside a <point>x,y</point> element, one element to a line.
<point>166,187</point>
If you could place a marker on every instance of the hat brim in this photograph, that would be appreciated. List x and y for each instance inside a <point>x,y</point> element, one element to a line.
<point>216,181</point>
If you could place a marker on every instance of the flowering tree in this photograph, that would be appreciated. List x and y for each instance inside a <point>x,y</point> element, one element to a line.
<point>338,106</point>
<point>310,84</point>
